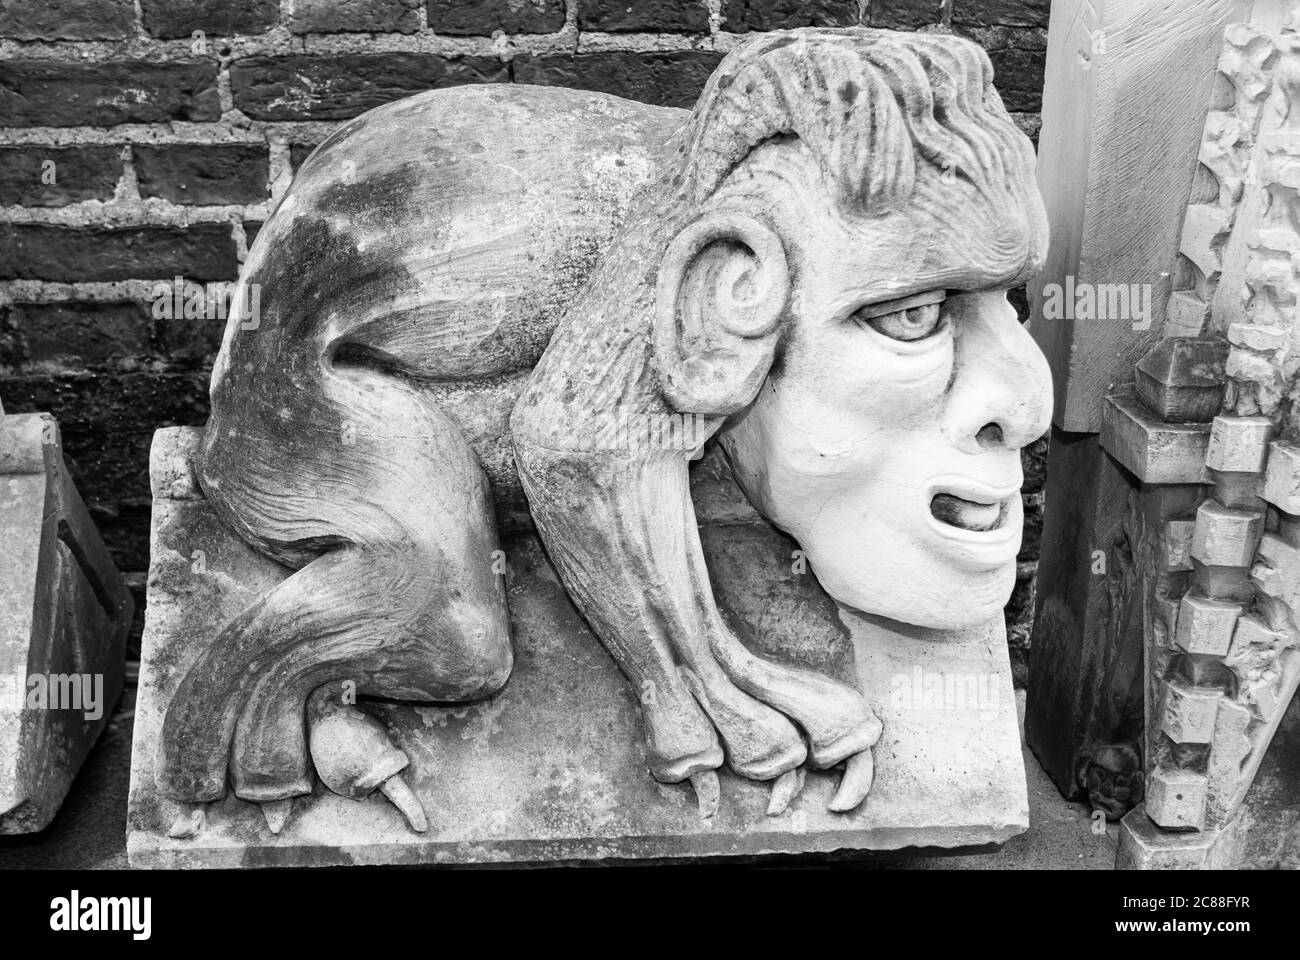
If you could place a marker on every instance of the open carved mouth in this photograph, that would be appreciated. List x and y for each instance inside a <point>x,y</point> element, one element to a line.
<point>979,515</point>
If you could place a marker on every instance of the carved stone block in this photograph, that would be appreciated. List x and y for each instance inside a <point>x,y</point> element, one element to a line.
<point>1189,713</point>
<point>1205,626</point>
<point>1225,537</point>
<point>63,626</point>
<point>1181,379</point>
<point>551,767</point>
<point>1282,480</point>
<point>1144,845</point>
<point>1176,799</point>
<point>1176,545</point>
<point>1238,444</point>
<point>1153,450</point>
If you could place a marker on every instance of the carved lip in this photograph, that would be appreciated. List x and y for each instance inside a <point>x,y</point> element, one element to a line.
<point>973,513</point>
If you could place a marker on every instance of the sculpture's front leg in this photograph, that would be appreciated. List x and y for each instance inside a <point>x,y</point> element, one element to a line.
<point>649,600</point>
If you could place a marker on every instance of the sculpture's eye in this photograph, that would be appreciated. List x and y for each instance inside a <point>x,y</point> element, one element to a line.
<point>908,320</point>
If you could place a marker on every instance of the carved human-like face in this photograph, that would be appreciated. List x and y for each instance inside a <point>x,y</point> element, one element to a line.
<point>886,438</point>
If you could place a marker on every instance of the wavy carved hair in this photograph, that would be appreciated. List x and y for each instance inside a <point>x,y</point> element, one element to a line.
<point>871,105</point>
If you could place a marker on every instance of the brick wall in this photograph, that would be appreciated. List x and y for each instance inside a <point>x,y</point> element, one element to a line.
<point>142,139</point>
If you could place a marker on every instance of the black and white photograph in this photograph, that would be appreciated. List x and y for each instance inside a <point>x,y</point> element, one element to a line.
<point>686,445</point>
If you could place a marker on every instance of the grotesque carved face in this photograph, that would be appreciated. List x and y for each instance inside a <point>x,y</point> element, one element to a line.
<point>886,437</point>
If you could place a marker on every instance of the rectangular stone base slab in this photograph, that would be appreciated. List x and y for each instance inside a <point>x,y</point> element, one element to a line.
<point>552,768</point>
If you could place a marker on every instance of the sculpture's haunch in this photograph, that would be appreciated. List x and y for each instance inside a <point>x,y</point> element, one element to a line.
<point>466,298</point>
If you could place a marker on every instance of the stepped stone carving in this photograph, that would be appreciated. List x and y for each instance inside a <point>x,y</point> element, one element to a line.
<point>1222,630</point>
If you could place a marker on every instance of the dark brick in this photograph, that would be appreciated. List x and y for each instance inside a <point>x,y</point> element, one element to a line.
<point>67,19</point>
<point>79,173</point>
<point>298,153</point>
<point>623,16</point>
<point>360,16</point>
<point>107,423</point>
<point>336,88</point>
<point>1018,75</point>
<point>38,251</point>
<point>36,93</point>
<point>189,344</point>
<point>478,18</point>
<point>1003,13</point>
<point>180,18</point>
<point>251,229</point>
<point>669,78</point>
<point>903,14</point>
<point>76,335</point>
<point>202,173</point>
<point>742,16</point>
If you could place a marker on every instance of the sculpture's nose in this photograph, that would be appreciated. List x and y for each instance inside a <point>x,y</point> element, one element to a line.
<point>1001,394</point>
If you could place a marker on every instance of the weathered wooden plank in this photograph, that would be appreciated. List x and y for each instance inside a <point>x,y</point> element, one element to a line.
<point>1124,104</point>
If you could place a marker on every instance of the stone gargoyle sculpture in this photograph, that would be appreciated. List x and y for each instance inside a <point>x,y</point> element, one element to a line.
<point>466,296</point>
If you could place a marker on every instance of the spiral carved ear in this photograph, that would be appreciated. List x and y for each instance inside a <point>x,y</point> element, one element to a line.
<point>721,292</point>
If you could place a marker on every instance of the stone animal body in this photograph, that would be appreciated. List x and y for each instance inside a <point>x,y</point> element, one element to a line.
<point>465,295</point>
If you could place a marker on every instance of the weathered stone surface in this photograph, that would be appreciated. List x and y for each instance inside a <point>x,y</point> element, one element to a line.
<point>365,393</point>
<point>63,626</point>
<point>203,173</point>
<point>363,16</point>
<point>44,176</point>
<point>1238,444</point>
<point>181,18</point>
<point>1205,626</point>
<point>67,19</point>
<point>51,93</point>
<point>1144,846</point>
<point>741,16</point>
<point>202,251</point>
<point>300,87</point>
<point>482,17</point>
<point>670,78</point>
<point>1154,451</point>
<point>628,16</point>
<point>1181,379</point>
<point>1225,537</point>
<point>551,768</point>
<point>1282,480</point>
<point>1176,799</point>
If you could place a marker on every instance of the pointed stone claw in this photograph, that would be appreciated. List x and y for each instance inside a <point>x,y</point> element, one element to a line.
<point>784,790</point>
<point>188,823</point>
<point>859,772</point>
<point>708,792</point>
<point>405,800</point>
<point>277,813</point>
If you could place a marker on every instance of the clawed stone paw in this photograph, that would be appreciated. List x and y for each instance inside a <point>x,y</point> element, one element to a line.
<point>855,784</point>
<point>277,813</point>
<point>784,789</point>
<point>354,756</point>
<point>708,793</point>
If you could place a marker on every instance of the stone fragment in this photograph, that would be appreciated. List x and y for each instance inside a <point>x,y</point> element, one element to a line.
<point>63,626</point>
<point>1176,799</point>
<point>1205,626</point>
<point>1238,444</point>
